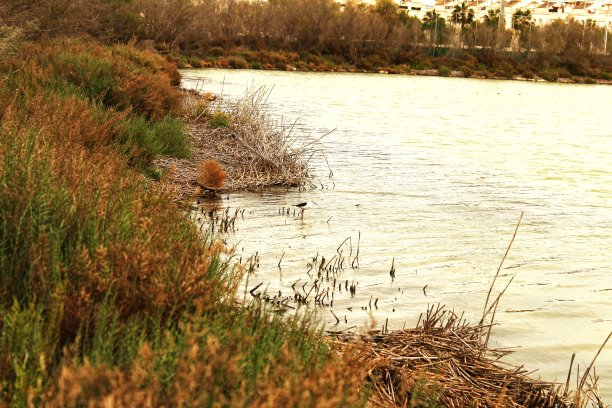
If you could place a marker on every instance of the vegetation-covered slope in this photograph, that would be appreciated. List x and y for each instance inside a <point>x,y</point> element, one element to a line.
<point>107,291</point>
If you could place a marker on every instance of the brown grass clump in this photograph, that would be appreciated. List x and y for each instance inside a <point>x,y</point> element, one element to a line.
<point>211,175</point>
<point>266,152</point>
<point>119,76</point>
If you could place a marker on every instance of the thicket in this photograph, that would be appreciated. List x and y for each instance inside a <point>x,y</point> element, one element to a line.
<point>108,293</point>
<point>277,33</point>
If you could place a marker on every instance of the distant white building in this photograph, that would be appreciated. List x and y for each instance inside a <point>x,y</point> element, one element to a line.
<point>400,3</point>
<point>543,12</point>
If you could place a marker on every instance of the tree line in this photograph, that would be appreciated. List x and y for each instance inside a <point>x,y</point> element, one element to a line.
<point>354,32</point>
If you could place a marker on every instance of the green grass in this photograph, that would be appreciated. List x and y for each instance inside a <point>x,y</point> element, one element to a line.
<point>142,140</point>
<point>219,120</point>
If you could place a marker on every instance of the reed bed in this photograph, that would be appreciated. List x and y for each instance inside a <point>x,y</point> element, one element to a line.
<point>252,147</point>
<point>445,361</point>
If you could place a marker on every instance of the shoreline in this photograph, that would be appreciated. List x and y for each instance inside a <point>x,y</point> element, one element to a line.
<point>402,69</point>
<point>113,296</point>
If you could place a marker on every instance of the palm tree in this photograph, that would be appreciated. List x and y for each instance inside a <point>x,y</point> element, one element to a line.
<point>436,24</point>
<point>521,19</point>
<point>463,15</point>
<point>491,19</point>
<point>430,19</point>
<point>387,9</point>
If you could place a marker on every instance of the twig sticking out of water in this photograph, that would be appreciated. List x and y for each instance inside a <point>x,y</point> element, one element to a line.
<point>569,375</point>
<point>355,263</point>
<point>337,320</point>
<point>280,260</point>
<point>486,311</point>
<point>578,397</point>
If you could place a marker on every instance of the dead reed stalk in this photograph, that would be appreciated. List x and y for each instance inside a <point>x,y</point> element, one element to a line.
<point>446,361</point>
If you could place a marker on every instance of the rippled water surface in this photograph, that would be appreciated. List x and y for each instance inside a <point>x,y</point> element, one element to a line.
<point>436,172</point>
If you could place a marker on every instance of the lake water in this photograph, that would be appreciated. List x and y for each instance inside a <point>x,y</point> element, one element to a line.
<point>435,173</point>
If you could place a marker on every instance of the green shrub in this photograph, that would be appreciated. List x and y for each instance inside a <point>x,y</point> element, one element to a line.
<point>171,137</point>
<point>550,74</point>
<point>218,120</point>
<point>420,66</point>
<point>216,51</point>
<point>142,140</point>
<point>28,339</point>
<point>444,71</point>
<point>238,62</point>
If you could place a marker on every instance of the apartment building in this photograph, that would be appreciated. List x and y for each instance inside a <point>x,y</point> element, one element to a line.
<point>597,12</point>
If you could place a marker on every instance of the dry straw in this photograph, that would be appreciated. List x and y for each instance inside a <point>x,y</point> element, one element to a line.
<point>253,148</point>
<point>446,361</point>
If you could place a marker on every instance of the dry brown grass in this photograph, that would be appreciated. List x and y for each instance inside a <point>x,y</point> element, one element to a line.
<point>81,230</point>
<point>109,296</point>
<point>267,152</point>
<point>210,175</point>
<point>254,149</point>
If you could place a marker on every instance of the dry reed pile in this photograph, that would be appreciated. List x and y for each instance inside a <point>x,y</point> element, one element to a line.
<point>444,361</point>
<point>255,150</point>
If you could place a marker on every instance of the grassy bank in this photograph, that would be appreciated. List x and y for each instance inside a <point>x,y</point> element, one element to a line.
<point>108,294</point>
